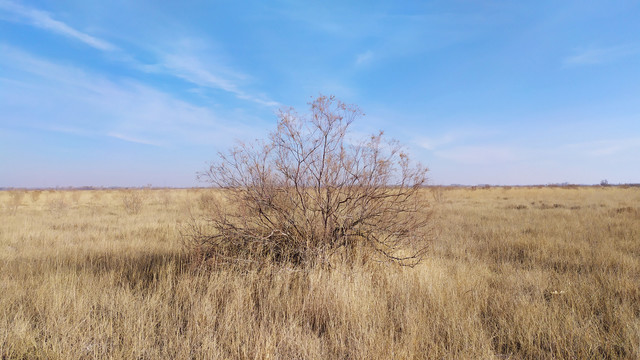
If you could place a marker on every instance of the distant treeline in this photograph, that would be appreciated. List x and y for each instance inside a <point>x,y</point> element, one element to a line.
<point>80,188</point>
<point>479,186</point>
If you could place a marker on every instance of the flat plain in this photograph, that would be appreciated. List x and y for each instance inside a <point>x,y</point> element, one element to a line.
<point>512,273</point>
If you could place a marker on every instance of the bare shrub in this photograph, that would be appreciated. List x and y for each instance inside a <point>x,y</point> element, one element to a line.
<point>307,194</point>
<point>132,201</point>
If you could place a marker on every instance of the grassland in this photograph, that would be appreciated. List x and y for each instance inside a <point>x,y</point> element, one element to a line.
<point>514,273</point>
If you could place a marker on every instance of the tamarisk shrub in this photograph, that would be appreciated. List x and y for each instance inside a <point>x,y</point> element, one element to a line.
<point>310,194</point>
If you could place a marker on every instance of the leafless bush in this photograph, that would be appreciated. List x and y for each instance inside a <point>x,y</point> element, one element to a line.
<point>307,194</point>
<point>132,201</point>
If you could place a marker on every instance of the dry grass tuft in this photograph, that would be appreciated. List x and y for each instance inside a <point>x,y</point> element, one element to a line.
<point>14,201</point>
<point>504,280</point>
<point>132,201</point>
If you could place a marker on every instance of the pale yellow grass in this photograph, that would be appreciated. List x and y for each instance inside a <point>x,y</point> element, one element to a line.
<point>522,273</point>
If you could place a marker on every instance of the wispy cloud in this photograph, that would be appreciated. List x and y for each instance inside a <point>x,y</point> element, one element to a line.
<point>599,55</point>
<point>191,68</point>
<point>44,20</point>
<point>453,137</point>
<point>364,58</point>
<point>607,147</point>
<point>557,156</point>
<point>434,143</point>
<point>132,139</point>
<point>214,76</point>
<point>478,154</point>
<point>196,65</point>
<point>87,104</point>
<point>181,63</point>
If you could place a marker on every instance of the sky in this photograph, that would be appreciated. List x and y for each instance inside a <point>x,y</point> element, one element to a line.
<point>132,93</point>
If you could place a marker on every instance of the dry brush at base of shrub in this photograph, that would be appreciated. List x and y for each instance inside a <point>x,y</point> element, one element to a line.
<point>309,194</point>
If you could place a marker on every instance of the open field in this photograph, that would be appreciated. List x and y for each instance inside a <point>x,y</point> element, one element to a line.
<point>515,273</point>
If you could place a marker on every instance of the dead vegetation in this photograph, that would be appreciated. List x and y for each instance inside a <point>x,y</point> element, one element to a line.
<point>132,201</point>
<point>498,283</point>
<point>308,195</point>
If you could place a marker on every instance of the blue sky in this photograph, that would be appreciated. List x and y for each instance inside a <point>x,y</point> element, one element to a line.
<point>129,93</point>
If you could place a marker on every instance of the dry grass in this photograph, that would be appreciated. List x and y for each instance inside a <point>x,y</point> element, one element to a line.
<point>521,273</point>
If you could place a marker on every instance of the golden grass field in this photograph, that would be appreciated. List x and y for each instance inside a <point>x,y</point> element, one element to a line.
<point>514,273</point>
